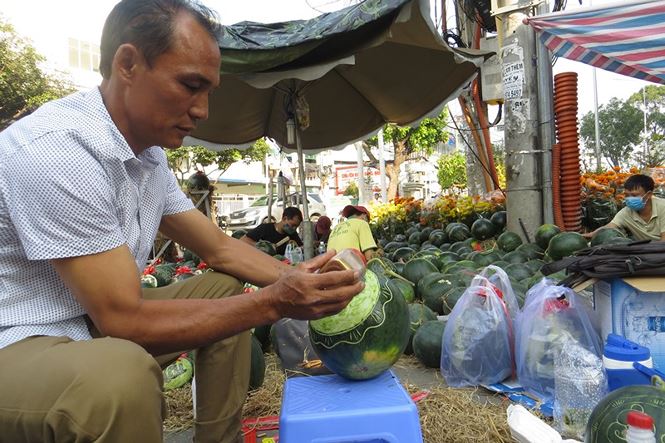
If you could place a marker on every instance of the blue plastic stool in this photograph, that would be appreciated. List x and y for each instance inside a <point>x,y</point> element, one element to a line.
<point>331,409</point>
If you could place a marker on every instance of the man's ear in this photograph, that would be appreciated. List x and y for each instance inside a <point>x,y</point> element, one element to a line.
<point>127,61</point>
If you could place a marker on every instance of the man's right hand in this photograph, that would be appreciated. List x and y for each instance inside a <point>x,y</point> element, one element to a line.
<point>303,294</point>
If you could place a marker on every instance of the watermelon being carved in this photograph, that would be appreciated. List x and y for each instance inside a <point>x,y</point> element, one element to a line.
<point>368,336</point>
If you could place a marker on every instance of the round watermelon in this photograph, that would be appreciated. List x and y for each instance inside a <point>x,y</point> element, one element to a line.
<point>266,246</point>
<point>451,298</point>
<point>545,233</point>
<point>450,226</point>
<point>515,257</point>
<point>381,265</point>
<point>531,251</point>
<point>427,343</point>
<point>482,229</point>
<point>518,271</point>
<point>262,334</point>
<point>433,287</point>
<point>459,233</point>
<point>403,254</point>
<point>367,337</point>
<point>438,237</point>
<point>394,246</point>
<point>425,233</point>
<point>403,287</point>
<point>417,268</point>
<point>400,238</point>
<point>257,370</point>
<point>605,236</point>
<point>607,423</point>
<point>499,220</point>
<point>565,244</point>
<point>240,233</point>
<point>418,314</point>
<point>414,239</point>
<point>508,241</point>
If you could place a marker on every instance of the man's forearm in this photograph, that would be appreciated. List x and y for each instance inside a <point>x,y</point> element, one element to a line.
<point>246,263</point>
<point>165,326</point>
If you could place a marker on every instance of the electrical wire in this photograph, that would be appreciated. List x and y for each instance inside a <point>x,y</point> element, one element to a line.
<point>496,185</point>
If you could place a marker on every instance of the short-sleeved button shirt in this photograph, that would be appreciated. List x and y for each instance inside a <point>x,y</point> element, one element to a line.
<point>631,221</point>
<point>70,185</point>
<point>352,233</point>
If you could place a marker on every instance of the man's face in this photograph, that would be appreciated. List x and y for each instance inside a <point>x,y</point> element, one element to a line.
<point>293,222</point>
<point>637,192</point>
<point>166,100</point>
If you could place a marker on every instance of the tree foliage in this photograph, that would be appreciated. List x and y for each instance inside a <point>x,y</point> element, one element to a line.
<point>407,140</point>
<point>651,100</point>
<point>24,86</point>
<point>620,128</point>
<point>452,171</point>
<point>184,158</point>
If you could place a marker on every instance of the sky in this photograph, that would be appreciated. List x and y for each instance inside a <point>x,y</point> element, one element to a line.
<point>39,20</point>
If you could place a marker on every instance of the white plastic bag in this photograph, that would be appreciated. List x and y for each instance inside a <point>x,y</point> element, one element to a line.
<point>478,340</point>
<point>551,319</point>
<point>498,277</point>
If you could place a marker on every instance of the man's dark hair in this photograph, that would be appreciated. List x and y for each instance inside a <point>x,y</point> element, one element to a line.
<point>639,181</point>
<point>291,212</point>
<point>149,25</point>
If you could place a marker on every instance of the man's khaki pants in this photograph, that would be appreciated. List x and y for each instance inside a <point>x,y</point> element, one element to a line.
<point>53,389</point>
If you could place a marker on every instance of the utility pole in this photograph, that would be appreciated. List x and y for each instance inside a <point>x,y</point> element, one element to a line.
<point>524,149</point>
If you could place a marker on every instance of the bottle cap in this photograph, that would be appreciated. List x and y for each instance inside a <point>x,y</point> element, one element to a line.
<point>640,420</point>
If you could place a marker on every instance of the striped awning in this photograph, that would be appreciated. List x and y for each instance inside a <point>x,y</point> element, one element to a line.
<point>626,38</point>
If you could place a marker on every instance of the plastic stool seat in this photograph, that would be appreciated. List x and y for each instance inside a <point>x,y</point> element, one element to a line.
<point>331,409</point>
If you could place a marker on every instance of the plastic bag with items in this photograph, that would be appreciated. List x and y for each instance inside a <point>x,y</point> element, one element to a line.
<point>478,341</point>
<point>294,253</point>
<point>551,319</point>
<point>500,280</point>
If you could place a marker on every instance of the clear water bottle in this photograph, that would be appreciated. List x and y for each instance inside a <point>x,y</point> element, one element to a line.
<point>640,428</point>
<point>322,248</point>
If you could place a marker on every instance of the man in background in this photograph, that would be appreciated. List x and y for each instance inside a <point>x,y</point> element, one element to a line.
<point>279,234</point>
<point>354,232</point>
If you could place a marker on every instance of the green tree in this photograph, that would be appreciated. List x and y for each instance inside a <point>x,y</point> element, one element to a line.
<point>407,140</point>
<point>651,101</point>
<point>620,127</point>
<point>452,170</point>
<point>181,160</point>
<point>23,84</point>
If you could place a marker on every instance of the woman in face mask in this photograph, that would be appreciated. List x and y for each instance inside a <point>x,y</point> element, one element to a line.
<point>280,233</point>
<point>643,217</point>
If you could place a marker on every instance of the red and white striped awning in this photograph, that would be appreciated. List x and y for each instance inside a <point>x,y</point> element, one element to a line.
<point>626,38</point>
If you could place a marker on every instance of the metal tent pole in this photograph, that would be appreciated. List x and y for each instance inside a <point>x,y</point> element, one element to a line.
<point>382,169</point>
<point>307,230</point>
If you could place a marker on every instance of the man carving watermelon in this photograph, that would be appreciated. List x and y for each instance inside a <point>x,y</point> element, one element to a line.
<point>80,341</point>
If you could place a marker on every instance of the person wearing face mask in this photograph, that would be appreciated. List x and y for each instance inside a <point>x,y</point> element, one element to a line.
<point>354,232</point>
<point>280,233</point>
<point>644,215</point>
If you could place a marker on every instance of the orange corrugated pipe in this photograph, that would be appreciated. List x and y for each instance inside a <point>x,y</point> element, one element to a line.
<point>568,153</point>
<point>476,139</point>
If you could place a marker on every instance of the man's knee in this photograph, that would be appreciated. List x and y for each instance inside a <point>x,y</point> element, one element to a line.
<point>122,372</point>
<point>222,285</point>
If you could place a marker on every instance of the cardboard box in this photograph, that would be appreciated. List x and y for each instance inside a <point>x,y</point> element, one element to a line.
<point>635,309</point>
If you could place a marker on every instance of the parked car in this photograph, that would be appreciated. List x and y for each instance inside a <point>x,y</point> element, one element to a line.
<point>257,213</point>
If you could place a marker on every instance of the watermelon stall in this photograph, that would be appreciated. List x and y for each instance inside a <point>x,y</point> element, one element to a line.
<point>429,257</point>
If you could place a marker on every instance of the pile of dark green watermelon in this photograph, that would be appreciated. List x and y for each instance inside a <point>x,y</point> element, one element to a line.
<point>433,267</point>
<point>163,273</point>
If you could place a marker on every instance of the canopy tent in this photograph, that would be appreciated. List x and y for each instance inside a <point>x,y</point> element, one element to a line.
<point>332,80</point>
<point>353,70</point>
<point>626,38</point>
